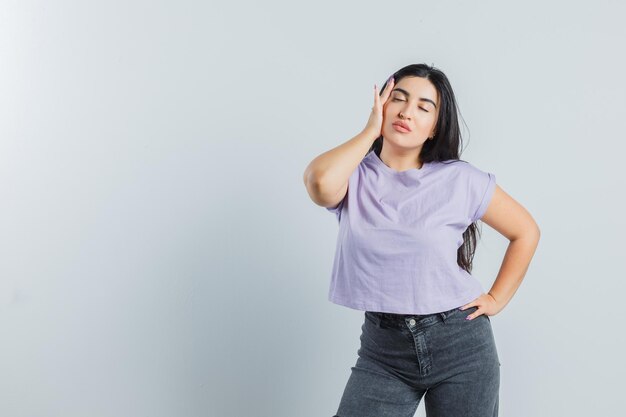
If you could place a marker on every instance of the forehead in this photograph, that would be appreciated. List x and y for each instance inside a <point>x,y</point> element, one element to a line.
<point>418,87</point>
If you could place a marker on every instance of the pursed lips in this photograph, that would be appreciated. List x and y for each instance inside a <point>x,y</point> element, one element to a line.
<point>402,125</point>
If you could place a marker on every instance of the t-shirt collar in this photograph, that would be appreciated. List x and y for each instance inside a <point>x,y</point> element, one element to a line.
<point>411,171</point>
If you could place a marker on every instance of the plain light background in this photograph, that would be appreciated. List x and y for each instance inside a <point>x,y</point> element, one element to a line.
<point>160,254</point>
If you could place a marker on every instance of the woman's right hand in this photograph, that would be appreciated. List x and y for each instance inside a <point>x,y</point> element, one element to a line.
<point>375,122</point>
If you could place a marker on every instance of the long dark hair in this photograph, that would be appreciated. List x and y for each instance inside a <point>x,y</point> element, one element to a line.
<point>444,146</point>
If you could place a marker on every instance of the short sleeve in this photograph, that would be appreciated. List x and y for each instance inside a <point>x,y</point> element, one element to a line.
<point>337,209</point>
<point>482,187</point>
<point>353,184</point>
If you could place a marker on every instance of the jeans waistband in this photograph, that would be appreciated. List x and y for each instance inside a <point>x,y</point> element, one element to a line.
<point>400,320</point>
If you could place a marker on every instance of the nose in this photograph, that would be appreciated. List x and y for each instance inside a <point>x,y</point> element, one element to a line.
<point>405,113</point>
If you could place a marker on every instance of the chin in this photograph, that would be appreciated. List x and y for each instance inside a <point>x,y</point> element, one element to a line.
<point>400,138</point>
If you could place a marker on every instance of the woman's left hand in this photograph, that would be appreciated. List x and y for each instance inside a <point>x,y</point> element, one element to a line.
<point>486,305</point>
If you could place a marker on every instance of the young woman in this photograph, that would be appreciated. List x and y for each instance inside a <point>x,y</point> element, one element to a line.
<point>407,208</point>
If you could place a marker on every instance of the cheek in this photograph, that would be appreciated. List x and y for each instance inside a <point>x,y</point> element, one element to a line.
<point>425,123</point>
<point>387,115</point>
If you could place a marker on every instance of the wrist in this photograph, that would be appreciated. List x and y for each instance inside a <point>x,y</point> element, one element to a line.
<point>494,298</point>
<point>371,134</point>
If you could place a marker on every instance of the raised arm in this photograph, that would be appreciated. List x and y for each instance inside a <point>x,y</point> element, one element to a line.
<point>326,177</point>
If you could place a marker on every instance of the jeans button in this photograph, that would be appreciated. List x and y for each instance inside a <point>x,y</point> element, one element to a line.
<point>412,322</point>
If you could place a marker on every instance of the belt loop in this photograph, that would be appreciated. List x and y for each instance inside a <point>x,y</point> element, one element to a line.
<point>443,316</point>
<point>375,316</point>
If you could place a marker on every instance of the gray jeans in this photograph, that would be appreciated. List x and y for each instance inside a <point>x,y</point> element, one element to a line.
<point>452,361</point>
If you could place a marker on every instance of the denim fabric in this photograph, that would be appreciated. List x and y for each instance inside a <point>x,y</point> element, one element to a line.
<point>450,361</point>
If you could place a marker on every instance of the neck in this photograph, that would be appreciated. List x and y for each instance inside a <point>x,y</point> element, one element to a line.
<point>401,160</point>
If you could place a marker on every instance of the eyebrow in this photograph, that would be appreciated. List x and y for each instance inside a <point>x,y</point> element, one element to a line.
<point>406,93</point>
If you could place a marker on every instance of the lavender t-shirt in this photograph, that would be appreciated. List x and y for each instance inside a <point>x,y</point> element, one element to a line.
<point>399,233</point>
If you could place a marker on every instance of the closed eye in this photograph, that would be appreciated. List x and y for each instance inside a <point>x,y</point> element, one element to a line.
<point>397,99</point>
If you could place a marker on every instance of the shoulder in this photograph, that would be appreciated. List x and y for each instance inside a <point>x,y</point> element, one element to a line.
<point>455,168</point>
<point>462,168</point>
